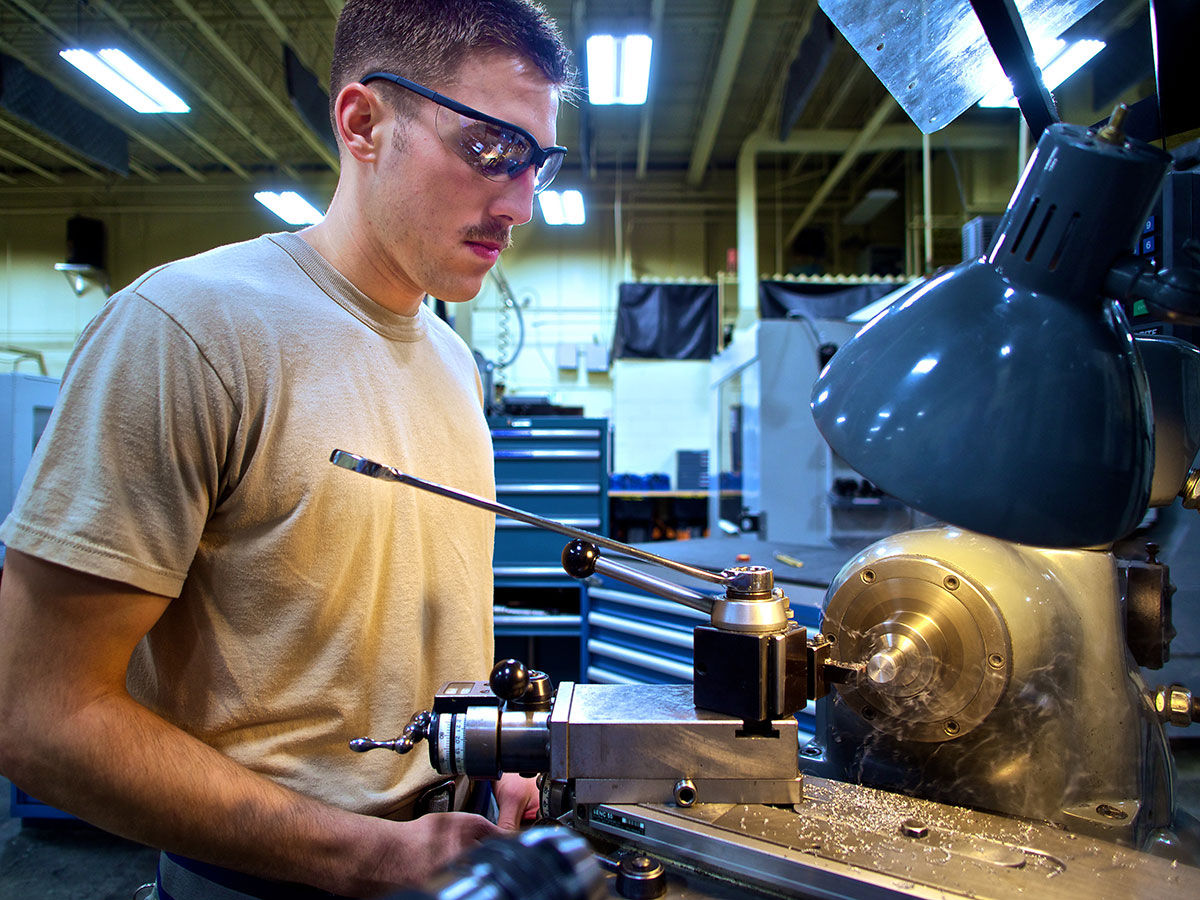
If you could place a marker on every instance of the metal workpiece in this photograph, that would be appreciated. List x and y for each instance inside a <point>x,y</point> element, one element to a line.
<point>849,841</point>
<point>997,676</point>
<point>637,743</point>
<point>937,653</point>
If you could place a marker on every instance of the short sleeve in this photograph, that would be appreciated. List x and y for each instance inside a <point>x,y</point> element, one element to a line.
<point>129,468</point>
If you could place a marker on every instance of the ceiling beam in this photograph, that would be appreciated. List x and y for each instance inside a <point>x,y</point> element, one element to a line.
<point>142,171</point>
<point>255,83</point>
<point>70,40</point>
<point>887,137</point>
<point>731,55</point>
<point>273,21</point>
<point>72,91</point>
<point>657,8</point>
<point>195,88</point>
<point>31,166</point>
<point>51,149</point>
<point>858,146</point>
<point>876,163</point>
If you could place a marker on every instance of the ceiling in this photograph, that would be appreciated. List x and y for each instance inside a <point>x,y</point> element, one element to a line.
<point>720,72</point>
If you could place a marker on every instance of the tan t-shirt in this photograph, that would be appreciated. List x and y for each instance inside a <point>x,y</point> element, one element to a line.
<point>188,456</point>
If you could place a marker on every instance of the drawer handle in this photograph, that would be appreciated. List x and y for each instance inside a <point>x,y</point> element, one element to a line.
<point>547,454</point>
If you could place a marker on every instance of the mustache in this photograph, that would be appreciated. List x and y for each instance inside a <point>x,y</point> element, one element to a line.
<point>490,232</point>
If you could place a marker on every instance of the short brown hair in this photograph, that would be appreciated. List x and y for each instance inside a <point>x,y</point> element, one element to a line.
<point>426,40</point>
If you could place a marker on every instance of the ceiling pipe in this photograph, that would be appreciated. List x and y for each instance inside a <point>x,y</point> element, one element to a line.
<point>856,148</point>
<point>657,9</point>
<point>885,138</point>
<point>731,55</point>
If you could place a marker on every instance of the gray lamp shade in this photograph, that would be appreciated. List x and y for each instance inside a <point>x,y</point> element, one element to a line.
<point>1016,415</point>
<point>1006,395</point>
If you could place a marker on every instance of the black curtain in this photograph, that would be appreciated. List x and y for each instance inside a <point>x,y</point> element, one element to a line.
<point>787,299</point>
<point>666,321</point>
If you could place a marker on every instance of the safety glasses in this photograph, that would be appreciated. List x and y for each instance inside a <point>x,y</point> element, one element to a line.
<point>496,149</point>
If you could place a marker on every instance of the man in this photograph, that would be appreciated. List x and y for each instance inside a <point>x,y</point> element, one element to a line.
<point>198,610</point>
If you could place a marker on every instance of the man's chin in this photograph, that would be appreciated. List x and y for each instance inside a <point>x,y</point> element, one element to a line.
<point>460,292</point>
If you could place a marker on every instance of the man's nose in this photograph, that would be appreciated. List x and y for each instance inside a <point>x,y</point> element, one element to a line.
<point>515,201</point>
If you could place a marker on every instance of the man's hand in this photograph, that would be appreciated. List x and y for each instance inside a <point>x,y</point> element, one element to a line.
<point>422,847</point>
<point>518,799</point>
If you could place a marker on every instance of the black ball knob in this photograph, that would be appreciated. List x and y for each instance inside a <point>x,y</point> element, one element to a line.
<point>509,679</point>
<point>579,558</point>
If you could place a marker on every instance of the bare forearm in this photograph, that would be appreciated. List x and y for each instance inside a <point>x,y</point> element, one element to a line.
<point>117,765</point>
<point>73,737</point>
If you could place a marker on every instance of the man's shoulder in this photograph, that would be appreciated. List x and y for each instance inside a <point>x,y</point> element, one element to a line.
<point>252,287</point>
<point>216,264</point>
<point>222,270</point>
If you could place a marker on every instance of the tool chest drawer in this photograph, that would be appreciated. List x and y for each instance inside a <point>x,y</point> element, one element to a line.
<point>555,467</point>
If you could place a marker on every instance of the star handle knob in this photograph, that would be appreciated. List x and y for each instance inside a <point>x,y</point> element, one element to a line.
<point>419,726</point>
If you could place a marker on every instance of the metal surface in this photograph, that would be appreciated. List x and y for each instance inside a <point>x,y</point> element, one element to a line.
<point>635,743</point>
<point>936,398</point>
<point>932,55</point>
<point>844,840</point>
<point>938,654</point>
<point>1173,371</point>
<point>1060,725</point>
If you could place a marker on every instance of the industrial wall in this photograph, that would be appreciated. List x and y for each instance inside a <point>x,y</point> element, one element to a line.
<point>565,280</point>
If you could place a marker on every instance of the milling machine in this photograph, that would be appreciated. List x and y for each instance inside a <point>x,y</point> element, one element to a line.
<point>697,791</point>
<point>984,730</point>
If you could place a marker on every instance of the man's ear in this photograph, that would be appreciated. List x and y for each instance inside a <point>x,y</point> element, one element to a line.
<point>358,113</point>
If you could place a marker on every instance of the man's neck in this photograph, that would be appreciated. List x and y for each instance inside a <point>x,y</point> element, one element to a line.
<point>351,256</point>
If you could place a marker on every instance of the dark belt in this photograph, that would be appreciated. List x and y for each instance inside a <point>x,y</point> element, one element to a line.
<point>438,798</point>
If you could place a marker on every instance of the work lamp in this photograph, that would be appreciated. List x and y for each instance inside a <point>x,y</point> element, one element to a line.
<point>1006,395</point>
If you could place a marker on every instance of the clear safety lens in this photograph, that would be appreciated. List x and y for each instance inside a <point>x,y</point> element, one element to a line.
<point>495,152</point>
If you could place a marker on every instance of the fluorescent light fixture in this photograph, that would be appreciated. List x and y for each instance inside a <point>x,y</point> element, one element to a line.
<point>870,206</point>
<point>121,76</point>
<point>290,207</point>
<point>618,69</point>
<point>1056,59</point>
<point>562,207</point>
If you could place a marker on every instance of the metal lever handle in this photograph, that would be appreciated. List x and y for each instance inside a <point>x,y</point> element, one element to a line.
<point>580,559</point>
<point>418,727</point>
<point>364,466</point>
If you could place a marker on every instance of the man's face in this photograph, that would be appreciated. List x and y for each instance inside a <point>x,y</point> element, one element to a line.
<point>440,224</point>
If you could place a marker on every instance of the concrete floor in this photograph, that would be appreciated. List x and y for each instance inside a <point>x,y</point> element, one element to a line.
<point>59,859</point>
